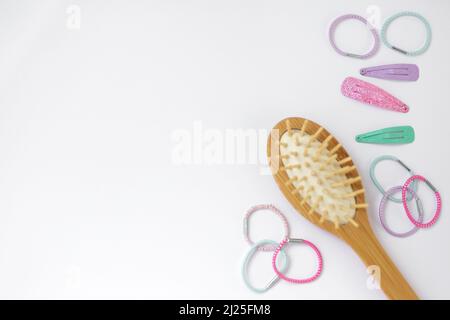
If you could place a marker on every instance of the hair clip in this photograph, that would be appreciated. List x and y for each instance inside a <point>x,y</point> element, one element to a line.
<point>399,71</point>
<point>392,135</point>
<point>368,93</point>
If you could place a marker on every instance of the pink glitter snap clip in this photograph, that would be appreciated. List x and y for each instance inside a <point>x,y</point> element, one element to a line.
<point>368,93</point>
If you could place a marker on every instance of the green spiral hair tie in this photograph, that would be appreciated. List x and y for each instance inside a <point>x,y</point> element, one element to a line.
<point>283,262</point>
<point>406,14</point>
<point>374,163</point>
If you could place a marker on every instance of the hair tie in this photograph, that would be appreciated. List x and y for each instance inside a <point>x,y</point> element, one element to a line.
<point>376,39</point>
<point>382,212</point>
<point>378,185</point>
<point>438,202</point>
<point>255,247</point>
<point>293,280</point>
<point>265,247</point>
<point>388,22</point>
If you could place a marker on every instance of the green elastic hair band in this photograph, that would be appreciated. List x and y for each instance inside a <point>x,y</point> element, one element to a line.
<point>282,267</point>
<point>407,14</point>
<point>374,163</point>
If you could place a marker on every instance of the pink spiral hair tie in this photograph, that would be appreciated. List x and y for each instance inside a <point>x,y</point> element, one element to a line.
<point>277,212</point>
<point>405,203</point>
<point>293,280</point>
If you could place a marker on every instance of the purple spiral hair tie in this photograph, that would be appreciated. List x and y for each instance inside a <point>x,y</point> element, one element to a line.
<point>376,38</point>
<point>382,208</point>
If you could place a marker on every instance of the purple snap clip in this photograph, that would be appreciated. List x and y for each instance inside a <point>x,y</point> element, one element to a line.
<point>400,72</point>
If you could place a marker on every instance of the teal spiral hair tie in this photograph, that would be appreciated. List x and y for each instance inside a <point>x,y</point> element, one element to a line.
<point>406,14</point>
<point>283,265</point>
<point>374,163</point>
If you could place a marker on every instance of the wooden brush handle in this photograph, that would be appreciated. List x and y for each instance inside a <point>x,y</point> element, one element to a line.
<point>372,253</point>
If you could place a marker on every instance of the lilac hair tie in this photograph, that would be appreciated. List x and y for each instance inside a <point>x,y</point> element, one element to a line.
<point>376,38</point>
<point>382,210</point>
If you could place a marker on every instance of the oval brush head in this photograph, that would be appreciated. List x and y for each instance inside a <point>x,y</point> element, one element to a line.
<point>318,174</point>
<point>315,173</point>
<point>320,180</point>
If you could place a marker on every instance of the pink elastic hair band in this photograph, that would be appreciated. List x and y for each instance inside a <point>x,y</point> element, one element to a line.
<point>276,211</point>
<point>405,203</point>
<point>294,280</point>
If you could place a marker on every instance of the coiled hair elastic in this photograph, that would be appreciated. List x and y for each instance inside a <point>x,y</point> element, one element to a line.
<point>283,261</point>
<point>390,196</point>
<point>269,245</point>
<point>388,22</point>
<point>278,213</point>
<point>382,212</point>
<point>436,194</point>
<point>294,280</point>
<point>376,38</point>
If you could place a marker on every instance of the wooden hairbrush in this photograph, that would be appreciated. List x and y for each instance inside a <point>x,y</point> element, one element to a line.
<point>319,179</point>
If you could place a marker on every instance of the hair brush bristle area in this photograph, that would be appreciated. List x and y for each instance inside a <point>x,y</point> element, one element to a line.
<point>317,175</point>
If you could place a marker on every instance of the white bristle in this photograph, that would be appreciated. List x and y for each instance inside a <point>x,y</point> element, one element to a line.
<point>318,177</point>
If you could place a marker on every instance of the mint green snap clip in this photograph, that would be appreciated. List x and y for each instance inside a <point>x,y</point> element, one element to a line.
<point>392,135</point>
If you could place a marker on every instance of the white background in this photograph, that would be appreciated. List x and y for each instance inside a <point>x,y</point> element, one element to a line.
<point>92,205</point>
